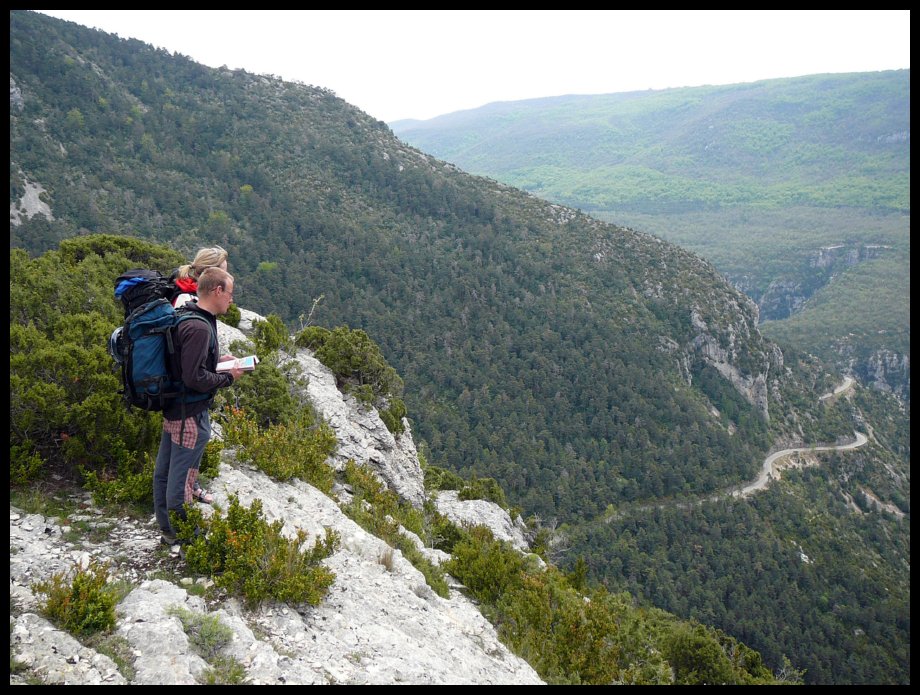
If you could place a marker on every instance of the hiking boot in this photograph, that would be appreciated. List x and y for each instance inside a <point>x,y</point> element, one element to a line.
<point>168,538</point>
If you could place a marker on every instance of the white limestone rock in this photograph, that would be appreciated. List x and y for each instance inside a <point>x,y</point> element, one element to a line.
<point>362,436</point>
<point>482,513</point>
<point>58,658</point>
<point>376,625</point>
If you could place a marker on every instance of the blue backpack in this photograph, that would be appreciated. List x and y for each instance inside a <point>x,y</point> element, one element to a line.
<point>146,345</point>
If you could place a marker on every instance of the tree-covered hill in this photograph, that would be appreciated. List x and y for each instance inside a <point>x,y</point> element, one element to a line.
<point>815,568</point>
<point>867,312</point>
<point>579,363</point>
<point>774,144</point>
<point>557,353</point>
<point>782,184</point>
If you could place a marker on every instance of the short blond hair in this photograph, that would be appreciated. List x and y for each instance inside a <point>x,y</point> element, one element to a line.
<point>209,257</point>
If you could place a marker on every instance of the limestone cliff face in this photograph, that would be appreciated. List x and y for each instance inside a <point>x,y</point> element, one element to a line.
<point>887,371</point>
<point>380,623</point>
<point>722,331</point>
<point>729,351</point>
<point>30,204</point>
<point>721,328</point>
<point>16,101</point>
<point>786,295</point>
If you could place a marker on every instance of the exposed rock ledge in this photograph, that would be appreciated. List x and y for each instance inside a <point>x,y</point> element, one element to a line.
<point>30,204</point>
<point>361,434</point>
<point>376,626</point>
<point>483,513</point>
<point>752,387</point>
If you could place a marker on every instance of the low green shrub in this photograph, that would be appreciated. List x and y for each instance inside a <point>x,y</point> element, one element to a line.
<point>25,464</point>
<point>210,461</point>
<point>366,486</point>
<point>207,635</point>
<point>225,670</point>
<point>486,566</point>
<point>444,533</point>
<point>441,478</point>
<point>270,335</point>
<point>474,489</point>
<point>393,415</point>
<point>298,449</point>
<point>81,602</point>
<point>364,394</point>
<point>232,317</point>
<point>312,337</point>
<point>266,394</point>
<point>483,489</point>
<point>249,557</point>
<point>125,486</point>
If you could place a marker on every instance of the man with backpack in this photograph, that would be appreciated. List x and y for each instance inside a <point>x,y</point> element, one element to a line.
<point>186,421</point>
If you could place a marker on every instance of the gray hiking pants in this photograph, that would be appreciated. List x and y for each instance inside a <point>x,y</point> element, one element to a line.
<point>176,470</point>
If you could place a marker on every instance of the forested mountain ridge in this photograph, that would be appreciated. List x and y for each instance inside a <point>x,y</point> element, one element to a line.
<point>785,185</point>
<point>695,147</point>
<point>581,364</point>
<point>542,345</point>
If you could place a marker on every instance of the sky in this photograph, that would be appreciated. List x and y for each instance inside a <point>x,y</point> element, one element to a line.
<point>399,64</point>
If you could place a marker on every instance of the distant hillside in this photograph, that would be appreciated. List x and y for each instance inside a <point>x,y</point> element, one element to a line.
<point>761,179</point>
<point>823,140</point>
<point>587,367</point>
<point>867,311</point>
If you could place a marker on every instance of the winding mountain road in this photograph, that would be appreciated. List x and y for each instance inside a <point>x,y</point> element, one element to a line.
<point>847,384</point>
<point>771,471</point>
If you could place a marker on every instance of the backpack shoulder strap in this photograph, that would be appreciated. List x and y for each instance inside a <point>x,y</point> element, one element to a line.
<point>184,315</point>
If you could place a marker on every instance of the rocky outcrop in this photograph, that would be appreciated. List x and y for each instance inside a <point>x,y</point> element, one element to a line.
<point>722,330</point>
<point>16,101</point>
<point>483,513</point>
<point>723,348</point>
<point>362,436</point>
<point>58,657</point>
<point>30,204</point>
<point>785,296</point>
<point>379,624</point>
<point>887,371</point>
<point>841,255</point>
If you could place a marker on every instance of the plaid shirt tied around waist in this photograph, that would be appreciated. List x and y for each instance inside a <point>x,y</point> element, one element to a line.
<point>186,429</point>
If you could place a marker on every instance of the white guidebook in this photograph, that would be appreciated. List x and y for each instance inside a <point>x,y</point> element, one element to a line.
<point>247,364</point>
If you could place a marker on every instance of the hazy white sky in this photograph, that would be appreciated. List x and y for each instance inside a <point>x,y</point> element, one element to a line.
<point>419,64</point>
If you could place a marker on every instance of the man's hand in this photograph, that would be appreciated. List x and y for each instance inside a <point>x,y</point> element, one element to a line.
<point>235,373</point>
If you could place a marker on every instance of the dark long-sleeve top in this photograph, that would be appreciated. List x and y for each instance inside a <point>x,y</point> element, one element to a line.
<point>198,356</point>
